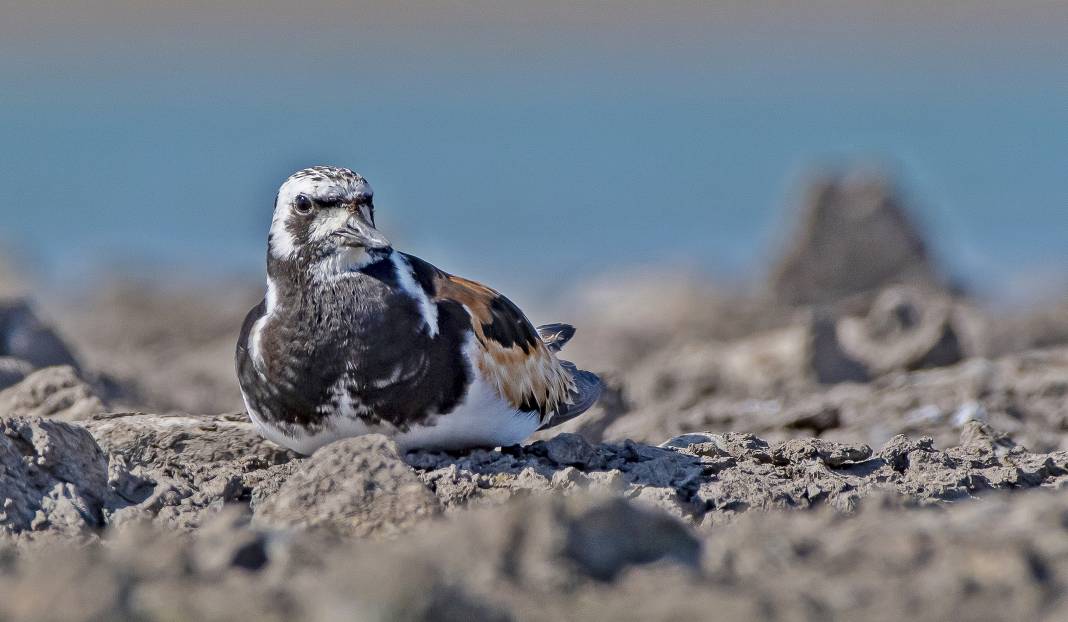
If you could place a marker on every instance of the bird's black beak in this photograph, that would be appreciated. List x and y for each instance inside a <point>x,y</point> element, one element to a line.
<point>357,232</point>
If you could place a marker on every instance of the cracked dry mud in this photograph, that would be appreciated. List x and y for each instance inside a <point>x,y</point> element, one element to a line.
<point>803,529</point>
<point>191,517</point>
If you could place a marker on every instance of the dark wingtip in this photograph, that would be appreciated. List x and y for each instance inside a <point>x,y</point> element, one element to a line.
<point>556,336</point>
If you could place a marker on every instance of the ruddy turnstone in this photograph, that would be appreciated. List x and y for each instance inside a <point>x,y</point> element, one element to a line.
<point>354,337</point>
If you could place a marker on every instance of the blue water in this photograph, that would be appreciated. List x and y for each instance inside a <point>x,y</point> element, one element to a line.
<point>530,179</point>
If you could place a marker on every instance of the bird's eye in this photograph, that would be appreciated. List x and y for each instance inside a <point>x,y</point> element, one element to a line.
<point>302,204</point>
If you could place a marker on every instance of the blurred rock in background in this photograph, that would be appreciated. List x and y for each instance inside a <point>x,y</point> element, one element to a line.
<point>164,347</point>
<point>27,342</point>
<point>853,236</point>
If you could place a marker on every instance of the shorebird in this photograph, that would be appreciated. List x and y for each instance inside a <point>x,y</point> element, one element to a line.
<point>354,337</point>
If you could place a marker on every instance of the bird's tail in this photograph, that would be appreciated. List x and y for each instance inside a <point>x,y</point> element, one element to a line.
<point>588,385</point>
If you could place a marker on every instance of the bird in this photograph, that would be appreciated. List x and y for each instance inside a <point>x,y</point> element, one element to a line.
<point>354,337</point>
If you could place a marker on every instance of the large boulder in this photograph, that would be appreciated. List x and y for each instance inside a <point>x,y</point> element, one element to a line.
<point>854,236</point>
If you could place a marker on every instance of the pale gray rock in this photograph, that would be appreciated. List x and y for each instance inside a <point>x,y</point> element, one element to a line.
<point>538,558</point>
<point>13,370</point>
<point>554,558</point>
<point>907,328</point>
<point>707,479</point>
<point>53,392</point>
<point>358,487</point>
<point>829,453</point>
<point>183,469</point>
<point>999,558</point>
<point>154,441</point>
<point>53,479</point>
<point>1021,395</point>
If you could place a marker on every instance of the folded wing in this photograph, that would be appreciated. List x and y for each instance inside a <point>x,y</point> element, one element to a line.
<point>510,354</point>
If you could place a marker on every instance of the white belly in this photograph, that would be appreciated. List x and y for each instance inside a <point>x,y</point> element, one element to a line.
<point>483,419</point>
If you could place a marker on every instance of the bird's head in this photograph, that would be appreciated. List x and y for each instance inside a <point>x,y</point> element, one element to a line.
<point>324,220</point>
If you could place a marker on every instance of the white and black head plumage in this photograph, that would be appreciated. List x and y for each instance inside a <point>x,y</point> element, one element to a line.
<point>324,217</point>
<point>355,337</point>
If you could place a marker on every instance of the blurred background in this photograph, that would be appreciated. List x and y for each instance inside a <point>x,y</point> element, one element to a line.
<point>733,201</point>
<point>820,245</point>
<point>530,144</point>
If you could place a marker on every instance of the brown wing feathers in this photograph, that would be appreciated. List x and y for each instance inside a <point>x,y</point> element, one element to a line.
<point>512,356</point>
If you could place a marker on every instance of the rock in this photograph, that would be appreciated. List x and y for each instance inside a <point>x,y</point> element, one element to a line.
<point>832,454</point>
<point>163,441</point>
<point>830,362</point>
<point>536,546</point>
<point>53,478</point>
<point>185,468</point>
<point>358,487</point>
<point>738,445</point>
<point>1040,325</point>
<point>526,535</point>
<point>985,439</point>
<point>618,328</point>
<point>226,541</point>
<point>764,364</point>
<point>53,392</point>
<point>707,479</point>
<point>605,538</point>
<point>581,557</point>
<point>996,559</point>
<point>906,329</point>
<point>681,375</point>
<point>13,370</point>
<point>167,346</point>
<point>811,417</point>
<point>1021,395</point>
<point>24,336</point>
<point>92,587</point>
<point>569,449</point>
<point>490,565</point>
<point>854,237</point>
<point>144,573</point>
<point>767,364</point>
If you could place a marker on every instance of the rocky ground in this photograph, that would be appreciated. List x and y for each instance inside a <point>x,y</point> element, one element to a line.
<point>862,443</point>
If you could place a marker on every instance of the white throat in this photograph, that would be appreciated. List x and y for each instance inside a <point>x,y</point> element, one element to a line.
<point>345,262</point>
